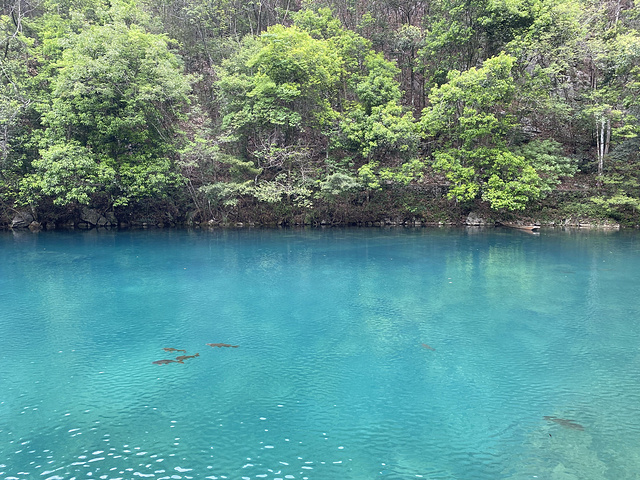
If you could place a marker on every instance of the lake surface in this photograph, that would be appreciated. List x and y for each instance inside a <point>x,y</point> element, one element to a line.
<point>362,354</point>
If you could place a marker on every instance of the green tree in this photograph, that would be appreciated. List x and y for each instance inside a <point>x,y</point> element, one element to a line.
<point>16,101</point>
<point>276,89</point>
<point>470,123</point>
<point>613,93</point>
<point>576,64</point>
<point>110,126</point>
<point>461,34</point>
<point>372,123</point>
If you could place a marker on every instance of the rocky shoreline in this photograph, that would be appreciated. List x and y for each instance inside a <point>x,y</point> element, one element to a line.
<point>91,218</point>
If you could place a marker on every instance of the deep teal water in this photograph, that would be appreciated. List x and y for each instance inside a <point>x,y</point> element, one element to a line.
<point>330,379</point>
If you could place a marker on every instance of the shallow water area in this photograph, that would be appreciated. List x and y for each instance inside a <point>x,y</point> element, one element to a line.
<point>361,353</point>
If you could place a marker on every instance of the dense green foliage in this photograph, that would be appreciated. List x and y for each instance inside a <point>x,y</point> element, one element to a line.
<point>341,110</point>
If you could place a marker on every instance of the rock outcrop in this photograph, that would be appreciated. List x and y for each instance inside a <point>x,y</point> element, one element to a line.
<point>22,220</point>
<point>93,217</point>
<point>474,220</point>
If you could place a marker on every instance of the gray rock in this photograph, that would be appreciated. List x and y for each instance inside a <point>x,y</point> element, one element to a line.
<point>475,220</point>
<point>89,215</point>
<point>111,218</point>
<point>22,220</point>
<point>92,217</point>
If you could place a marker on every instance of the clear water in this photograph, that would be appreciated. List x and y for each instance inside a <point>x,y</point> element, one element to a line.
<point>330,379</point>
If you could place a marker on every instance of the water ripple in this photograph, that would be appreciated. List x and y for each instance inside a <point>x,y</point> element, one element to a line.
<point>330,379</point>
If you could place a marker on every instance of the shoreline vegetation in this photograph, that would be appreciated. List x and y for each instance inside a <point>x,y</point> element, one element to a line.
<point>128,113</point>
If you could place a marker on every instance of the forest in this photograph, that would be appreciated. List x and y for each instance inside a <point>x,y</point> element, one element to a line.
<point>332,112</point>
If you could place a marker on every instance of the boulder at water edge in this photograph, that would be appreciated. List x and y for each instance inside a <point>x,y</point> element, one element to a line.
<point>22,220</point>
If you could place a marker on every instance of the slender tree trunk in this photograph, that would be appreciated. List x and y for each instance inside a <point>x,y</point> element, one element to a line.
<point>603,139</point>
<point>600,146</point>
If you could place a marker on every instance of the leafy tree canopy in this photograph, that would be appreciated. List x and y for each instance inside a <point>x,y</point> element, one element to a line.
<point>114,100</point>
<point>470,122</point>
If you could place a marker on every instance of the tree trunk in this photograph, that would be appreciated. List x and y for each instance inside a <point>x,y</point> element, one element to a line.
<point>603,140</point>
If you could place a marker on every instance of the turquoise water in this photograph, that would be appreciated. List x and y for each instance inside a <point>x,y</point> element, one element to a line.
<point>330,379</point>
